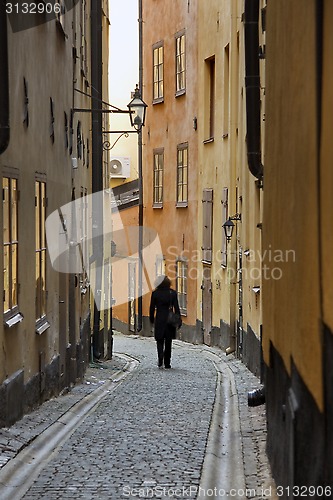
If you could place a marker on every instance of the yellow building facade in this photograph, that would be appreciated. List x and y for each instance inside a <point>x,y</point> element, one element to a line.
<point>297,312</point>
<point>230,271</point>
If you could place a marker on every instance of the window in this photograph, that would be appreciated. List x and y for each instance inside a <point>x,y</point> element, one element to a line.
<point>10,244</point>
<point>226,97</point>
<point>158,178</point>
<point>88,154</point>
<point>26,103</point>
<point>182,175</point>
<point>83,39</point>
<point>66,130</point>
<point>180,64</point>
<point>210,100</point>
<point>40,216</point>
<point>79,141</point>
<point>182,285</point>
<point>71,132</point>
<point>158,91</point>
<point>52,120</point>
<point>160,265</point>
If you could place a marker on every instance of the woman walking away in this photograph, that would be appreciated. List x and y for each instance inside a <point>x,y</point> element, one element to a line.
<point>162,300</point>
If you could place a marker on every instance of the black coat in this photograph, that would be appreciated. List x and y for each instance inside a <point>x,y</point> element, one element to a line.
<point>160,301</point>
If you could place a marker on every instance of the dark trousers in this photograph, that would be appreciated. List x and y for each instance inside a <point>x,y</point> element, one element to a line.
<point>164,351</point>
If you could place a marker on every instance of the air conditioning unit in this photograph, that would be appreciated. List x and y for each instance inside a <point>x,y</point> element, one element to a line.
<point>120,167</point>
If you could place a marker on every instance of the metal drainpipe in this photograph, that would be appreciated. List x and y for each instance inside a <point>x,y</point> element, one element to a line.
<point>97,162</point>
<point>253,133</point>
<point>252,87</point>
<point>140,270</point>
<point>4,81</point>
<point>239,346</point>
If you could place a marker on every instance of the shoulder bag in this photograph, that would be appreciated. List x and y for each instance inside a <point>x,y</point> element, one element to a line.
<point>174,319</point>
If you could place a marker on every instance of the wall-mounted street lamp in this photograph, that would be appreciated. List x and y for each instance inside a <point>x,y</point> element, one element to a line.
<point>137,113</point>
<point>137,110</point>
<point>228,226</point>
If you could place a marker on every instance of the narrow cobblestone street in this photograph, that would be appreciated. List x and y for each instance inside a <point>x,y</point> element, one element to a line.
<point>145,439</point>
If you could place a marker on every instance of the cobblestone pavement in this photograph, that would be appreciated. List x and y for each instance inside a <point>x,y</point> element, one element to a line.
<point>147,438</point>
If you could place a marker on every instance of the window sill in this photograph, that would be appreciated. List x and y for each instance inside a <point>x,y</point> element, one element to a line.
<point>208,141</point>
<point>158,101</point>
<point>181,92</point>
<point>182,204</point>
<point>157,205</point>
<point>41,326</point>
<point>13,318</point>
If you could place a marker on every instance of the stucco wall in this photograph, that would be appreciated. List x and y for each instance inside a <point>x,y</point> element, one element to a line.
<point>291,304</point>
<point>168,124</point>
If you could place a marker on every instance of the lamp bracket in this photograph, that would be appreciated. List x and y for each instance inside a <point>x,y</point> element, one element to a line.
<point>99,110</point>
<point>236,217</point>
<point>120,132</point>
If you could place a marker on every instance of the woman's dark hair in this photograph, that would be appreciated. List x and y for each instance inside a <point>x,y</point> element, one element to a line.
<point>165,283</point>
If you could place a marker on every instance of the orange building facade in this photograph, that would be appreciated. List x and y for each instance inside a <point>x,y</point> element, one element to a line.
<point>170,154</point>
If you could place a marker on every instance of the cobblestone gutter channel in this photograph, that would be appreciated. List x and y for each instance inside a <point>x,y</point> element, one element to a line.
<point>223,465</point>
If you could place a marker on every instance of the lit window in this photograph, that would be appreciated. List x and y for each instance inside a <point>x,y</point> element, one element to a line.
<point>180,64</point>
<point>160,266</point>
<point>158,91</point>
<point>182,175</point>
<point>158,178</point>
<point>10,243</point>
<point>182,285</point>
<point>40,216</point>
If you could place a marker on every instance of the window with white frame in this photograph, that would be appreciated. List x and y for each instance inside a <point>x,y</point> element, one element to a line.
<point>182,285</point>
<point>158,178</point>
<point>10,244</point>
<point>182,175</point>
<point>160,266</point>
<point>158,70</point>
<point>40,248</point>
<point>180,64</point>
